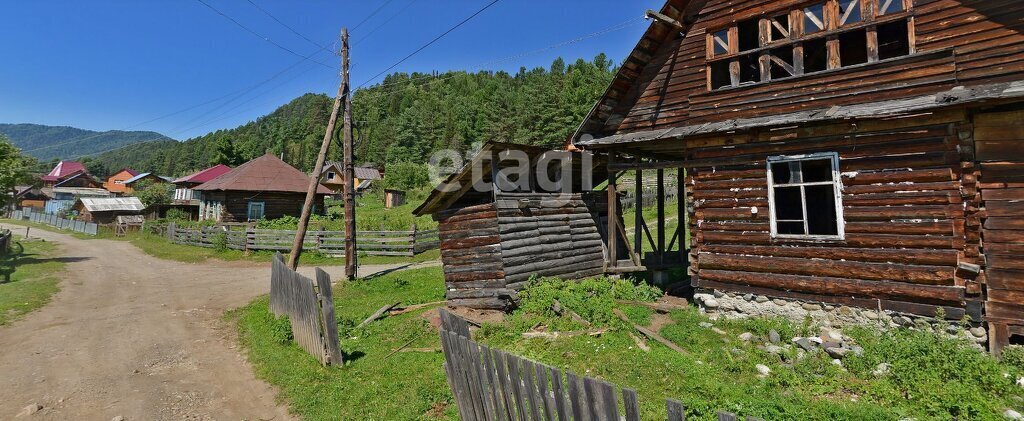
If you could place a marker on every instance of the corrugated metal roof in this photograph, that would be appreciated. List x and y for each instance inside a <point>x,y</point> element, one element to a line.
<point>204,175</point>
<point>266,173</point>
<point>109,204</point>
<point>64,169</point>
<point>83,191</point>
<point>362,173</point>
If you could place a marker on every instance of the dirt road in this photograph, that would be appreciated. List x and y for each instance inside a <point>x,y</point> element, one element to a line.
<point>135,336</point>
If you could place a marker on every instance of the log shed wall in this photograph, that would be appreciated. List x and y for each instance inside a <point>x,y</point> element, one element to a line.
<point>999,147</point>
<point>471,254</point>
<point>905,203</point>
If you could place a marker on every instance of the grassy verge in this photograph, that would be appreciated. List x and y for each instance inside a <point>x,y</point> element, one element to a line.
<point>28,278</point>
<point>371,385</point>
<point>931,376</point>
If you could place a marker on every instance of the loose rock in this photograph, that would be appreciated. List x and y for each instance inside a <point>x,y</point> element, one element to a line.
<point>811,306</point>
<point>837,352</point>
<point>29,410</point>
<point>719,331</point>
<point>117,418</point>
<point>978,332</point>
<point>710,303</point>
<point>881,370</point>
<point>763,370</point>
<point>761,299</point>
<point>806,344</point>
<point>1012,415</point>
<point>746,336</point>
<point>773,336</point>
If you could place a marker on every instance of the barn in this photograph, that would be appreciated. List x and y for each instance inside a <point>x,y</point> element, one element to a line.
<point>105,210</point>
<point>499,224</point>
<point>862,153</point>
<point>264,188</point>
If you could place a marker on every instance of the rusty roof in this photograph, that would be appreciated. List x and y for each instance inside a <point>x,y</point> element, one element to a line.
<point>266,173</point>
<point>204,175</point>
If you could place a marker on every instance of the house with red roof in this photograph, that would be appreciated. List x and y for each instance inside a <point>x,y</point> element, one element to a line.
<point>264,188</point>
<point>183,186</point>
<point>70,174</point>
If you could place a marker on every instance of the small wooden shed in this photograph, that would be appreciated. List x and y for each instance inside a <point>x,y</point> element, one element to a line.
<point>498,230</point>
<point>105,210</point>
<point>393,198</point>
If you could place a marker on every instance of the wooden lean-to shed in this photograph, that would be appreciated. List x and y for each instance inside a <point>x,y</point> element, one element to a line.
<point>864,153</point>
<point>499,227</point>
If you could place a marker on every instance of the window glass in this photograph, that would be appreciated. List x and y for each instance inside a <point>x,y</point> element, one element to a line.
<point>889,6</point>
<point>814,18</point>
<point>849,12</point>
<point>720,41</point>
<point>255,210</point>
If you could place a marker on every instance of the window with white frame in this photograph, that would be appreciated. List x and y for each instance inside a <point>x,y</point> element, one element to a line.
<point>805,196</point>
<point>330,175</point>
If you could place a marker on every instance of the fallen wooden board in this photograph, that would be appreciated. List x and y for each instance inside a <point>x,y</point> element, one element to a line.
<point>560,309</point>
<point>378,314</point>
<point>556,335</point>
<point>415,307</point>
<point>659,306</point>
<point>650,333</point>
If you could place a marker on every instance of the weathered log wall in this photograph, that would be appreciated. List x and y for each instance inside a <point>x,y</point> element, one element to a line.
<point>958,42</point>
<point>471,253</point>
<point>549,235</point>
<point>906,205</point>
<point>999,142</point>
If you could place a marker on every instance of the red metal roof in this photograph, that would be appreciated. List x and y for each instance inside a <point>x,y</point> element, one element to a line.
<point>64,169</point>
<point>204,175</point>
<point>266,173</point>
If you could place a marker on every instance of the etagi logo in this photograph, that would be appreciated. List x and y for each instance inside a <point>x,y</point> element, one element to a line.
<point>512,171</point>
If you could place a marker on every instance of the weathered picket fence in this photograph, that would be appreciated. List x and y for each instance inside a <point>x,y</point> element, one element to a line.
<point>490,384</point>
<point>56,221</point>
<point>331,243</point>
<point>310,310</point>
<point>5,242</point>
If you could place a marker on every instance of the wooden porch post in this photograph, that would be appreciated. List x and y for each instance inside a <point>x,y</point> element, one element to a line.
<point>638,233</point>
<point>661,216</point>
<point>613,233</point>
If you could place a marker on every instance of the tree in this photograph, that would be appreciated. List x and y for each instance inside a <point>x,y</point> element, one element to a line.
<point>406,176</point>
<point>13,167</point>
<point>151,193</point>
<point>226,153</point>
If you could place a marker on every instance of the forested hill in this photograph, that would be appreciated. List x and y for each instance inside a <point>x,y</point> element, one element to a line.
<point>403,119</point>
<point>60,142</point>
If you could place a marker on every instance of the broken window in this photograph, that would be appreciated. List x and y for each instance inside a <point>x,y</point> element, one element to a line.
<point>849,12</point>
<point>814,19</point>
<point>804,196</point>
<point>853,48</point>
<point>815,55</point>
<point>749,33</point>
<point>780,28</point>
<point>886,7</point>
<point>721,42</point>
<point>720,74</point>
<point>781,62</point>
<point>750,70</point>
<point>893,40</point>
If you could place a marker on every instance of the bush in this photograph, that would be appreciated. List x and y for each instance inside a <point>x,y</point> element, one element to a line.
<point>1013,356</point>
<point>593,299</point>
<point>175,214</point>
<point>406,176</point>
<point>220,241</point>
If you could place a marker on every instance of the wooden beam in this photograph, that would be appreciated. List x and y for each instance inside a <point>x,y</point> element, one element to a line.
<point>665,20</point>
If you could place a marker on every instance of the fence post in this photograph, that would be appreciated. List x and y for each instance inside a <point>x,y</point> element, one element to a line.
<point>170,231</point>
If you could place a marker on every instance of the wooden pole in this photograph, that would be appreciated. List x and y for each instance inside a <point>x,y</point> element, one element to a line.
<point>349,188</point>
<point>314,181</point>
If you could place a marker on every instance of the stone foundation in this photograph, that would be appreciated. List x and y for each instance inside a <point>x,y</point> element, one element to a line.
<point>737,306</point>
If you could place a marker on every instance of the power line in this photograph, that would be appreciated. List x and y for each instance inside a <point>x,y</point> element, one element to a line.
<point>265,12</point>
<point>393,15</point>
<point>257,34</point>
<point>371,15</point>
<point>463,22</point>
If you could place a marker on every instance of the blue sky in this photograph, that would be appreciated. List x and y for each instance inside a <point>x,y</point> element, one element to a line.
<point>107,64</point>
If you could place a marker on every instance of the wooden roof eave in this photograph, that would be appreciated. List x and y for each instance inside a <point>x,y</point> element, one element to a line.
<point>659,32</point>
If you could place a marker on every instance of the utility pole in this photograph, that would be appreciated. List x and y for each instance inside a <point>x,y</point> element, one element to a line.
<point>314,181</point>
<point>349,187</point>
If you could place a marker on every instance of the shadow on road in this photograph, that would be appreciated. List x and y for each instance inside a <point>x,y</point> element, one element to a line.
<point>17,257</point>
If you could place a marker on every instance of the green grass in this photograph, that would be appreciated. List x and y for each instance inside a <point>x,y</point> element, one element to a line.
<point>28,278</point>
<point>932,377</point>
<point>371,385</point>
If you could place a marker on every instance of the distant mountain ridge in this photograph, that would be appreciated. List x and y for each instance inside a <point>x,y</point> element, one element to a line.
<point>62,142</point>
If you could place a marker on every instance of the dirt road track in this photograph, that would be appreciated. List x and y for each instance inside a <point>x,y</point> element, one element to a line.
<point>135,336</point>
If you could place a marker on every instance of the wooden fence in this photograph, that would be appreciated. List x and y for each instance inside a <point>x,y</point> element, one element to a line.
<point>331,243</point>
<point>490,384</point>
<point>5,242</point>
<point>56,222</point>
<point>310,309</point>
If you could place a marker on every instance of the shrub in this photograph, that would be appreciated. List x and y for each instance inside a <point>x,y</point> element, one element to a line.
<point>406,176</point>
<point>175,214</point>
<point>220,242</point>
<point>593,299</point>
<point>1013,356</point>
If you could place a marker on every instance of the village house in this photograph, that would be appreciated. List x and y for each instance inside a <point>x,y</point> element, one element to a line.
<point>863,153</point>
<point>115,183</point>
<point>333,176</point>
<point>30,197</point>
<point>63,194</point>
<point>132,184</point>
<point>264,188</point>
<point>64,170</point>
<point>105,210</point>
<point>183,193</point>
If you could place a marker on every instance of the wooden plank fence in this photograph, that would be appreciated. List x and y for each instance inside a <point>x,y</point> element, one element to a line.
<point>331,243</point>
<point>490,384</point>
<point>310,310</point>
<point>55,221</point>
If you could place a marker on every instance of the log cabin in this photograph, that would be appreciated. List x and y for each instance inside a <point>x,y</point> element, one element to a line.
<point>500,224</point>
<point>264,188</point>
<point>868,153</point>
